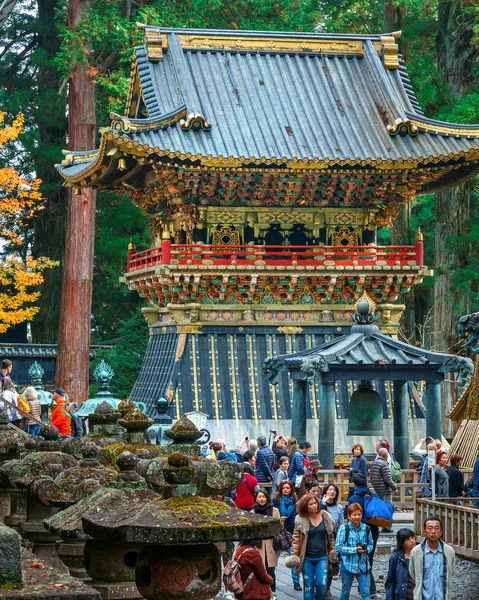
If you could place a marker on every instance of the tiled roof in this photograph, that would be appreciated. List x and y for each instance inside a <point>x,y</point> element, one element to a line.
<point>36,350</point>
<point>7,8</point>
<point>273,106</point>
<point>364,347</point>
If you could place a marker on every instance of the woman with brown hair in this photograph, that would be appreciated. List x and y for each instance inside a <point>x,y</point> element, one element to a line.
<point>291,446</point>
<point>313,547</point>
<point>253,573</point>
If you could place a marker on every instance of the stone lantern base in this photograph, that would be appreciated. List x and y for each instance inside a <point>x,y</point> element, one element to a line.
<point>181,571</point>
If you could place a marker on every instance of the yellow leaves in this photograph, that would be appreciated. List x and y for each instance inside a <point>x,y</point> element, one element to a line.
<point>20,199</point>
<point>13,131</point>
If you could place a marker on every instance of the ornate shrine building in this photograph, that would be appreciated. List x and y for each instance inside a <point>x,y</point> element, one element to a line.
<point>267,161</point>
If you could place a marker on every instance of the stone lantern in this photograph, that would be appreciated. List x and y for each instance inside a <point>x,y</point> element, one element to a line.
<point>170,540</point>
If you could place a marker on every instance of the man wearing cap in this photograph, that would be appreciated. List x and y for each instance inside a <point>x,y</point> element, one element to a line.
<point>58,418</point>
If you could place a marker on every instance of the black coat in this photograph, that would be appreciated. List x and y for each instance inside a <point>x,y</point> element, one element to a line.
<point>397,577</point>
<point>456,482</point>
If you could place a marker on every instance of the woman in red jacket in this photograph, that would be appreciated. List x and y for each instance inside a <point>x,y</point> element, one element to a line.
<point>249,558</point>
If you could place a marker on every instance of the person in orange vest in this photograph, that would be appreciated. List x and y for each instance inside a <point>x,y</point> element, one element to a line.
<point>58,418</point>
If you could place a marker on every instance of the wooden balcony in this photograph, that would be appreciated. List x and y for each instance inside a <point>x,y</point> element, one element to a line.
<point>186,256</point>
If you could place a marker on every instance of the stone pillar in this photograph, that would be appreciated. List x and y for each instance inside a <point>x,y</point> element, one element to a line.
<point>298,422</point>
<point>433,409</point>
<point>401,425</point>
<point>327,414</point>
<point>11,563</point>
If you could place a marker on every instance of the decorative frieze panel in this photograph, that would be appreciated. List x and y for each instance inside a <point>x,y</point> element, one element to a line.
<point>169,189</point>
<point>264,290</point>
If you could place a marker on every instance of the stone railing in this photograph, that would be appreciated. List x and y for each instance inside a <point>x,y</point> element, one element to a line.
<point>186,255</point>
<point>460,523</point>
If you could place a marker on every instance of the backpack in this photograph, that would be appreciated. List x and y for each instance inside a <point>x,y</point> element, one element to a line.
<point>377,512</point>
<point>232,577</point>
<point>396,471</point>
<point>346,538</point>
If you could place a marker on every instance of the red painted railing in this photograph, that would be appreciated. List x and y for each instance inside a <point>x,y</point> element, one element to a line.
<point>196,254</point>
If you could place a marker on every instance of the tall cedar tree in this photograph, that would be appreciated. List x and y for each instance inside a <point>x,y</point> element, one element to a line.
<point>457,58</point>
<point>73,356</point>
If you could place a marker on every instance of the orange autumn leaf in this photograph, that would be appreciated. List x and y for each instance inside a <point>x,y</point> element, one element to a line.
<point>20,200</point>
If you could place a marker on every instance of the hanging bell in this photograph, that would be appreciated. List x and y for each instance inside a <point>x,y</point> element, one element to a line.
<point>365,411</point>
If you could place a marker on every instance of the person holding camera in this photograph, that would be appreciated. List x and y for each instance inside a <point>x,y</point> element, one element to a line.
<point>353,544</point>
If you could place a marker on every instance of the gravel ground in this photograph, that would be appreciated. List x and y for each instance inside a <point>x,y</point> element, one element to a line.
<point>466,581</point>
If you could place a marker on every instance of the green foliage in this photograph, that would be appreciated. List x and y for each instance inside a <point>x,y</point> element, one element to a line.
<point>118,221</point>
<point>106,37</point>
<point>126,356</point>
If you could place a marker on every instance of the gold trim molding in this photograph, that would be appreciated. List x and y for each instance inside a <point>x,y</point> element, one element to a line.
<point>284,44</point>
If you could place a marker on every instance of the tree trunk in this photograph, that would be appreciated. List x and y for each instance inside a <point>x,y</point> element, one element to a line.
<point>75,313</point>
<point>448,303</point>
<point>456,57</point>
<point>394,15</point>
<point>401,235</point>
<point>49,224</point>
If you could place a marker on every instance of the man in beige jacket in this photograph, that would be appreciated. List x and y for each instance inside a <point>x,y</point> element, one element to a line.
<point>432,564</point>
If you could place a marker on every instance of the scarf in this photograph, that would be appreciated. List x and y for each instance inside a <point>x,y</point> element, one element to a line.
<point>266,510</point>
<point>286,506</point>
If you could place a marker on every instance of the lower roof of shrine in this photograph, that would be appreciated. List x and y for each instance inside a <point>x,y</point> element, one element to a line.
<point>209,100</point>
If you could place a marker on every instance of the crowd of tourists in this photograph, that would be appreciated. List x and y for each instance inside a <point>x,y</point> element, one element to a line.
<point>320,537</point>
<point>23,407</point>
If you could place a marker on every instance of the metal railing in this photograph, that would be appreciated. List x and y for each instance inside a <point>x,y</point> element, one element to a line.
<point>244,255</point>
<point>460,523</point>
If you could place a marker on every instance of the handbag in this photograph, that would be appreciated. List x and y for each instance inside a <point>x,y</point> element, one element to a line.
<point>377,512</point>
<point>282,541</point>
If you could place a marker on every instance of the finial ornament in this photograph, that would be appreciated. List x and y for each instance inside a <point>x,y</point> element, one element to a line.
<point>103,373</point>
<point>365,311</point>
<point>36,373</point>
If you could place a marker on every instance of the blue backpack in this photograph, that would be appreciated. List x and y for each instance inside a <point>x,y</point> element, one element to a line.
<point>377,512</point>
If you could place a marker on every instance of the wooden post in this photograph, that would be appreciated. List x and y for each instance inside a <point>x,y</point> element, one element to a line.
<point>75,311</point>
<point>419,246</point>
<point>401,424</point>
<point>327,414</point>
<point>298,424</point>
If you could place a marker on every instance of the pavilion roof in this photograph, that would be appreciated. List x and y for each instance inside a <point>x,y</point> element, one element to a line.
<point>6,8</point>
<point>221,99</point>
<point>365,348</point>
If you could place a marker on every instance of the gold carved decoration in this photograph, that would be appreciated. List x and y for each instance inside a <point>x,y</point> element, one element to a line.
<point>390,50</point>
<point>403,127</point>
<point>195,121</point>
<point>180,348</point>
<point>189,329</point>
<point>226,235</point>
<point>288,329</point>
<point>292,44</point>
<point>154,43</point>
<point>344,237</point>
